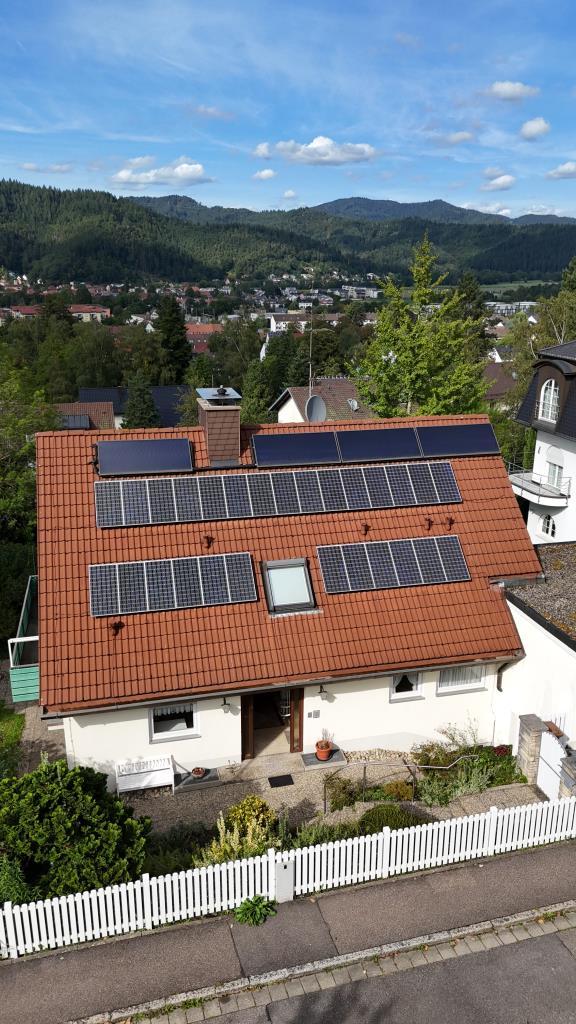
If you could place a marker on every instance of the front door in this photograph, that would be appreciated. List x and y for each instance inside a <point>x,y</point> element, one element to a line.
<point>247,721</point>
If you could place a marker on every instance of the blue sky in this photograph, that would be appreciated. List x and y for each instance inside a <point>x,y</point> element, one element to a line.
<point>281,105</point>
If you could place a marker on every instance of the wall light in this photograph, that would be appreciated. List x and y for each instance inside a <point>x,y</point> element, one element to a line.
<point>322,693</point>
<point>225,706</point>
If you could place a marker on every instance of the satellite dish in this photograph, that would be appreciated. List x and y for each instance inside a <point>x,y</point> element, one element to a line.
<point>315,411</point>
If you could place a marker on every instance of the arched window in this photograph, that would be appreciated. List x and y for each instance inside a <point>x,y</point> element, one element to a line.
<point>549,399</point>
<point>548,526</point>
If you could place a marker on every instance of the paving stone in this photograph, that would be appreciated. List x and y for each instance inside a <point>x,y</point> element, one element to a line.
<point>403,961</point>
<point>212,1009</point>
<point>447,952</point>
<point>417,958</point>
<point>388,965</point>
<point>432,955</point>
<point>561,924</point>
<point>325,980</point>
<point>490,940</point>
<point>548,926</point>
<point>372,969</point>
<point>278,992</point>
<point>519,932</point>
<point>533,929</point>
<point>310,983</point>
<point>474,944</point>
<point>356,972</point>
<point>570,916</point>
<point>294,987</point>
<point>162,1020</point>
<point>228,1003</point>
<point>194,1014</point>
<point>341,975</point>
<point>506,937</point>
<point>245,999</point>
<point>262,996</point>
<point>177,1017</point>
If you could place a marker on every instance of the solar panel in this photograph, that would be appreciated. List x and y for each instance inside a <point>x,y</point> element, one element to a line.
<point>309,492</point>
<point>423,484</point>
<point>237,497</point>
<point>125,458</point>
<point>187,498</point>
<point>378,445</point>
<point>378,489</point>
<point>452,559</point>
<point>400,485</point>
<point>261,495</point>
<point>332,490</point>
<point>166,583</point>
<point>379,565</point>
<point>108,498</point>
<point>212,497</point>
<point>309,448</point>
<point>135,500</point>
<point>445,481</point>
<point>355,488</point>
<point>285,493</point>
<point>161,498</point>
<point>459,439</point>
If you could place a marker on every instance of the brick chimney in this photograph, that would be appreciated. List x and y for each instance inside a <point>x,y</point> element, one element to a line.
<point>219,416</point>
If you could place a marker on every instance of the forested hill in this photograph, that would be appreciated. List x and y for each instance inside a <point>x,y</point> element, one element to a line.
<point>84,235</point>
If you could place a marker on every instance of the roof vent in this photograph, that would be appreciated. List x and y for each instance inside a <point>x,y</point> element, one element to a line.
<point>219,395</point>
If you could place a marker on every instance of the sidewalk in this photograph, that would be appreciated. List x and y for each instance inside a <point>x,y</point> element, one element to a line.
<point>83,981</point>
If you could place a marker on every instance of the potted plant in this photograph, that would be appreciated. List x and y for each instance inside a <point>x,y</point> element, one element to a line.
<point>324,746</point>
<point>198,773</point>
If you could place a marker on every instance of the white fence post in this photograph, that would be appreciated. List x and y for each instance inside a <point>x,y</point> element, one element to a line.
<point>12,941</point>
<point>490,845</point>
<point>383,869</point>
<point>273,856</point>
<point>146,902</point>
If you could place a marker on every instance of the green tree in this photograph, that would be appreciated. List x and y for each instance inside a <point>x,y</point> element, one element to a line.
<point>569,276</point>
<point>557,319</point>
<point>82,296</point>
<point>141,351</point>
<point>256,394</point>
<point>140,410</point>
<point>93,357</point>
<point>17,563</point>
<point>198,375</point>
<point>424,287</point>
<point>233,350</point>
<point>66,832</point>
<point>471,306</point>
<point>170,325</point>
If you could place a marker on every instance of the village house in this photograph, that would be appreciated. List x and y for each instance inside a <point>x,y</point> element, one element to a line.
<point>199,588</point>
<point>339,396</point>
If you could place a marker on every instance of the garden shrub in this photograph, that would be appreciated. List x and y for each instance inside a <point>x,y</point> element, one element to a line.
<point>397,790</point>
<point>175,849</point>
<point>230,843</point>
<point>434,789</point>
<point>341,792</point>
<point>11,726</point>
<point>320,832</point>
<point>252,809</point>
<point>67,832</point>
<point>13,885</point>
<point>386,815</point>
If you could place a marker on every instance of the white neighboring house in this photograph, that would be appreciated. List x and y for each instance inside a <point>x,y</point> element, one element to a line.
<point>339,394</point>
<point>550,408</point>
<point>544,681</point>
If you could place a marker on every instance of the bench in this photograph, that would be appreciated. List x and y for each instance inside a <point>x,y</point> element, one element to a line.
<point>155,771</point>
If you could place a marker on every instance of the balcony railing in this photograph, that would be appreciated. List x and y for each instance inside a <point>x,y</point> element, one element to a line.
<point>23,648</point>
<point>536,487</point>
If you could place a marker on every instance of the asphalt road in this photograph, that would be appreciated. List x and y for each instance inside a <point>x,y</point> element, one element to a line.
<point>533,982</point>
<point>94,978</point>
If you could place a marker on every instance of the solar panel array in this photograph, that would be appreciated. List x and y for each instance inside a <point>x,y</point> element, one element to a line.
<point>171,583</point>
<point>312,448</point>
<point>379,565</point>
<point>167,455</point>
<point>244,496</point>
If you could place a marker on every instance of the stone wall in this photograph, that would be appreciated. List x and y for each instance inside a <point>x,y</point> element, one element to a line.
<point>529,738</point>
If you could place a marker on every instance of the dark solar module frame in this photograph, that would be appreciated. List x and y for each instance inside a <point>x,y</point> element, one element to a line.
<point>310,448</point>
<point>126,588</point>
<point>378,445</point>
<point>126,458</point>
<point>140,502</point>
<point>463,439</point>
<point>381,565</point>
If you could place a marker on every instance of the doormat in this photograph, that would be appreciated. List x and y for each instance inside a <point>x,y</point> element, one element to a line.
<point>276,781</point>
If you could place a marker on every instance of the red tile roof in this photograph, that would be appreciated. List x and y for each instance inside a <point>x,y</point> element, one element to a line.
<point>165,654</point>
<point>100,414</point>
<point>203,330</point>
<point>336,392</point>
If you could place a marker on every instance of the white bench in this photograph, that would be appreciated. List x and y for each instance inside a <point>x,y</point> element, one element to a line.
<point>156,771</point>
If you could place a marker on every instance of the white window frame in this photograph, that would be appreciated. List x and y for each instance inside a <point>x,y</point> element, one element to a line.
<point>414,694</point>
<point>554,475</point>
<point>549,404</point>
<point>287,609</point>
<point>169,737</point>
<point>550,522</point>
<point>464,685</point>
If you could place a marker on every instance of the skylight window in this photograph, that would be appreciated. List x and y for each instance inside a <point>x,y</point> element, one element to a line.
<point>287,585</point>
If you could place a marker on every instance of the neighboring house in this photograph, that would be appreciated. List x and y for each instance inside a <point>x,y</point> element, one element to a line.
<point>550,408</point>
<point>86,313</point>
<point>201,588</point>
<point>544,682</point>
<point>501,382</point>
<point>166,399</point>
<point>339,394</point>
<point>86,415</point>
<point>199,336</point>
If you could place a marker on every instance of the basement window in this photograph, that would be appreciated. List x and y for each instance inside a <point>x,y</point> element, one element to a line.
<point>406,686</point>
<point>287,585</point>
<point>173,721</point>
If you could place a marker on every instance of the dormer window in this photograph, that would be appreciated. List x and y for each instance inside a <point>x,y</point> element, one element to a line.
<point>549,401</point>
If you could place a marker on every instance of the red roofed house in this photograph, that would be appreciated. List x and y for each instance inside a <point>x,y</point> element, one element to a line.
<point>199,336</point>
<point>197,582</point>
<point>88,312</point>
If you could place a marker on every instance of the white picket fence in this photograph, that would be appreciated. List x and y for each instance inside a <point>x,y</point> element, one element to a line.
<point>151,902</point>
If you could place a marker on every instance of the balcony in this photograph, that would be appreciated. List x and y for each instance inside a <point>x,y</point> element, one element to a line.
<point>23,649</point>
<point>537,489</point>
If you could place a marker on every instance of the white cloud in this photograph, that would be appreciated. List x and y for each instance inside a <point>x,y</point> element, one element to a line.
<point>504,211</point>
<point>500,184</point>
<point>534,129</point>
<point>211,112</point>
<point>567,170</point>
<point>512,91</point>
<point>265,174</point>
<point>289,194</point>
<point>405,39</point>
<point>262,150</point>
<point>50,169</point>
<point>140,161</point>
<point>492,172</point>
<point>455,138</point>
<point>182,171</point>
<point>323,150</point>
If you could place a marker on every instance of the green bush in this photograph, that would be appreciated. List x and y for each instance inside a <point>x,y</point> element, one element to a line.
<point>67,833</point>
<point>341,792</point>
<point>251,810</point>
<point>318,832</point>
<point>386,815</point>
<point>175,849</point>
<point>232,844</point>
<point>255,910</point>
<point>13,885</point>
<point>11,726</point>
<point>398,790</point>
<point>435,789</point>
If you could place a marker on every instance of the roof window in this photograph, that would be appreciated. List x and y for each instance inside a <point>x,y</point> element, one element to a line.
<point>287,585</point>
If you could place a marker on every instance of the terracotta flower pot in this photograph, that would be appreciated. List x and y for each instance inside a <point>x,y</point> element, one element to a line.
<point>323,750</point>
<point>198,773</point>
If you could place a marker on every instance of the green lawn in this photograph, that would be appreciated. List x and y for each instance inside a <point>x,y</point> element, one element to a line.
<point>11,726</point>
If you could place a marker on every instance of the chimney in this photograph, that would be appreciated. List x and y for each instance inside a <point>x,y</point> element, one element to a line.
<point>219,416</point>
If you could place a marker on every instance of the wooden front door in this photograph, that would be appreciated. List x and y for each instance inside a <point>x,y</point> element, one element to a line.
<point>247,721</point>
<point>296,720</point>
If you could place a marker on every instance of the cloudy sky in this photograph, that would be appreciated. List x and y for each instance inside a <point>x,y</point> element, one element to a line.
<point>263,104</point>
